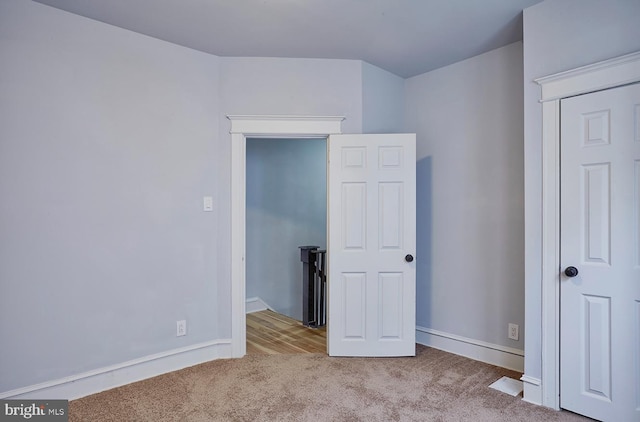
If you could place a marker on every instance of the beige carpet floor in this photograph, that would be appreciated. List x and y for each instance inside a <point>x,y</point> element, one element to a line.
<point>433,386</point>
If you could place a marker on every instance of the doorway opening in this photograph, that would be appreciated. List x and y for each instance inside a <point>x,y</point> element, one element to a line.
<point>286,208</point>
<point>243,127</point>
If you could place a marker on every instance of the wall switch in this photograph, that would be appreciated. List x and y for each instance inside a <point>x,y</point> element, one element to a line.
<point>182,328</point>
<point>207,203</point>
<point>514,331</point>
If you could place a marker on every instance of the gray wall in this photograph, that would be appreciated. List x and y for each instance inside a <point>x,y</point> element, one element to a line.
<point>468,121</point>
<point>382,101</point>
<point>315,87</point>
<point>560,35</point>
<point>109,139</point>
<point>286,208</point>
<point>107,144</point>
<point>276,86</point>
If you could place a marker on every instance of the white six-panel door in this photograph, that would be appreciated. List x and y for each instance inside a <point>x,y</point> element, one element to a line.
<point>371,245</point>
<point>600,237</point>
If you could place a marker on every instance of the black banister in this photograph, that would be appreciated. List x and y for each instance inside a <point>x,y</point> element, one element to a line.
<point>313,286</point>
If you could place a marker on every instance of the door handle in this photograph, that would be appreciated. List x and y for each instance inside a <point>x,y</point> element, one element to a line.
<point>408,258</point>
<point>571,271</point>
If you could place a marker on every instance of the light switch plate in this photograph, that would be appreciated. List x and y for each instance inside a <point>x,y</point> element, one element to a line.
<point>181,327</point>
<point>207,203</point>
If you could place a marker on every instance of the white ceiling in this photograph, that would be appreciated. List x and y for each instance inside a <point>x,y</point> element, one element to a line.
<point>406,37</point>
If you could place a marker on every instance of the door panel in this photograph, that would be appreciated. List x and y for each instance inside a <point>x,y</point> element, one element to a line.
<point>390,290</point>
<point>371,229</point>
<point>596,204</point>
<point>390,215</point>
<point>354,215</point>
<point>600,223</point>
<point>597,325</point>
<point>354,287</point>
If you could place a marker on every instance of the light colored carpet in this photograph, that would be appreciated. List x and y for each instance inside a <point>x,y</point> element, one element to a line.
<point>433,386</point>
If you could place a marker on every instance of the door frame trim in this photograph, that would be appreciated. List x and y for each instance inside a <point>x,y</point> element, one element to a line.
<point>595,77</point>
<point>256,126</point>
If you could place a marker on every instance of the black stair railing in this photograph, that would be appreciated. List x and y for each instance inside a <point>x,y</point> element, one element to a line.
<point>314,280</point>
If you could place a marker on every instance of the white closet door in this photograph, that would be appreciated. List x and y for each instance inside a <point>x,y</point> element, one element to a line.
<point>600,254</point>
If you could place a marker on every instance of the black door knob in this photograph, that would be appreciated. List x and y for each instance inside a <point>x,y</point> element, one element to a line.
<point>408,258</point>
<point>571,271</point>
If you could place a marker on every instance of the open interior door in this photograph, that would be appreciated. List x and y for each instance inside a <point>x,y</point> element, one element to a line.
<point>371,245</point>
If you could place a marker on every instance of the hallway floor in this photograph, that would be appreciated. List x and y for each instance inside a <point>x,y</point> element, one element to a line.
<point>271,333</point>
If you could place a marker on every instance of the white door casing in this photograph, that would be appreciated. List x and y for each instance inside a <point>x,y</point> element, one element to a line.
<point>371,231</point>
<point>243,126</point>
<point>600,306</point>
<point>545,388</point>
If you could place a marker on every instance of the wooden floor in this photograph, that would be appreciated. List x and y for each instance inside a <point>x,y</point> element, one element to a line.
<point>270,333</point>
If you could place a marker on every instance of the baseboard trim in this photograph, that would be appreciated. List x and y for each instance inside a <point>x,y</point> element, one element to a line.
<point>532,389</point>
<point>255,304</point>
<point>95,381</point>
<point>506,357</point>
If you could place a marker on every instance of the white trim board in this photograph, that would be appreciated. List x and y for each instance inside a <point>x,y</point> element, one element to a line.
<point>532,391</point>
<point>503,356</point>
<point>243,127</point>
<point>595,77</point>
<point>97,380</point>
<point>269,126</point>
<point>255,304</point>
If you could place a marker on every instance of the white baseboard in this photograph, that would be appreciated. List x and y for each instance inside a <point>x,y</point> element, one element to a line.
<point>532,390</point>
<point>255,304</point>
<point>505,357</point>
<point>91,382</point>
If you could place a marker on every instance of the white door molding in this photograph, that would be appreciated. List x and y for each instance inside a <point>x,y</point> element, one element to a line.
<point>595,77</point>
<point>243,127</point>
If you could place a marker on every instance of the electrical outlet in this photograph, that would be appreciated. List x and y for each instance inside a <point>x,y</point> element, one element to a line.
<point>182,328</point>
<point>514,331</point>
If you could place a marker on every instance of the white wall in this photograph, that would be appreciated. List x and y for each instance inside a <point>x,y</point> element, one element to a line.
<point>107,145</point>
<point>382,101</point>
<point>468,120</point>
<point>286,208</point>
<point>560,35</point>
